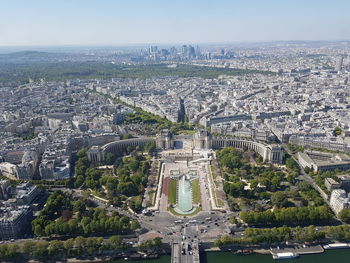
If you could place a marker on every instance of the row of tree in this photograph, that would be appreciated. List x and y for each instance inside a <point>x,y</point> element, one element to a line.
<point>57,249</point>
<point>279,235</point>
<point>289,216</point>
<point>155,243</point>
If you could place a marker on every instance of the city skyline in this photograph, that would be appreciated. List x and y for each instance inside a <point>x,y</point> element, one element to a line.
<point>39,23</point>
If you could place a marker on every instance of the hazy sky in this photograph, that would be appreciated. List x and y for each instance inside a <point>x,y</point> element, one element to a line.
<point>112,22</point>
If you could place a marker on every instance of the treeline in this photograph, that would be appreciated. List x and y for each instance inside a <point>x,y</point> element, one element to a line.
<point>57,249</point>
<point>292,165</point>
<point>288,216</point>
<point>151,123</point>
<point>277,235</point>
<point>155,243</point>
<point>65,217</point>
<point>254,236</point>
<point>344,215</point>
<point>147,118</point>
<point>103,70</point>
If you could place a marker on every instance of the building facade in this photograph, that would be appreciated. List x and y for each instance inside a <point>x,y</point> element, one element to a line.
<point>204,140</point>
<point>97,154</point>
<point>320,161</point>
<point>14,223</point>
<point>339,200</point>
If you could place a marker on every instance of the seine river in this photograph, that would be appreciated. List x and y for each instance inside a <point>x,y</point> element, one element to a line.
<point>336,256</point>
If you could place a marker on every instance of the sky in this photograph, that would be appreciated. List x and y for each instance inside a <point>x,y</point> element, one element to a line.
<point>120,22</point>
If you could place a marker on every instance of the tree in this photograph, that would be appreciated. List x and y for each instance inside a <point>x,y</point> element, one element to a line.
<point>276,182</point>
<point>82,153</point>
<point>110,158</point>
<point>157,242</point>
<point>288,216</point>
<point>292,164</point>
<point>344,215</point>
<point>28,247</point>
<point>55,247</point>
<point>40,249</point>
<point>279,199</point>
<point>115,242</point>
<point>81,165</point>
<point>79,206</point>
<point>134,165</point>
<point>127,188</point>
<point>38,230</point>
<point>150,147</point>
<point>125,136</point>
<point>79,181</point>
<point>134,224</point>
<point>233,220</point>
<point>337,131</point>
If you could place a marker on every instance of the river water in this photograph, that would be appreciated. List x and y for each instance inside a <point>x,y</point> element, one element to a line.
<point>330,256</point>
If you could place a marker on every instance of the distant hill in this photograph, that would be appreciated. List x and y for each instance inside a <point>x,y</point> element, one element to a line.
<point>30,56</point>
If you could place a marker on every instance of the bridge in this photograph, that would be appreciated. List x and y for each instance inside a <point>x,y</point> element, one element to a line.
<point>177,255</point>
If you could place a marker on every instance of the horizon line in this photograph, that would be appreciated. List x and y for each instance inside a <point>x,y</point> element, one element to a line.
<point>172,43</point>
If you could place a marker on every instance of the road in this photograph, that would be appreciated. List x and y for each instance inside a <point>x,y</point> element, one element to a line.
<point>190,244</point>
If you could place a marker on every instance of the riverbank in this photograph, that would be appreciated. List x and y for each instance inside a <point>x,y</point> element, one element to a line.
<point>339,256</point>
<point>301,250</point>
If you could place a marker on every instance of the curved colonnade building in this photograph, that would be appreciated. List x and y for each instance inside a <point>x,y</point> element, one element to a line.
<point>269,153</point>
<point>200,140</point>
<point>97,154</point>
